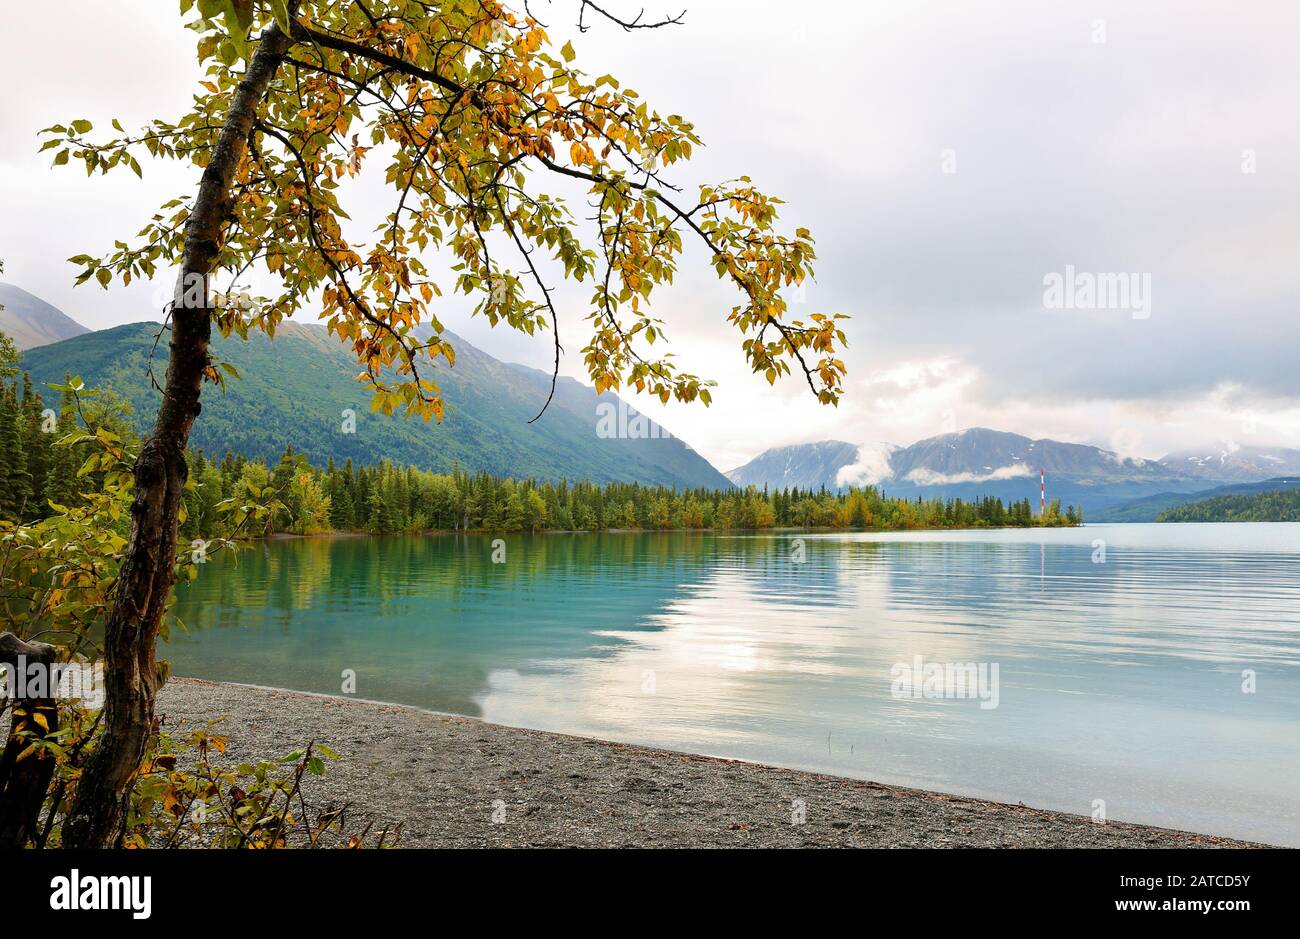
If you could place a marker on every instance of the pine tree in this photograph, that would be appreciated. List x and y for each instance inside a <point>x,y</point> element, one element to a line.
<point>6,452</point>
<point>16,484</point>
<point>36,444</point>
<point>61,478</point>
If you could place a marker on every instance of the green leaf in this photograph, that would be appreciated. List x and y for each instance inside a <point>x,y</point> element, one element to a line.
<point>239,18</point>
<point>280,9</point>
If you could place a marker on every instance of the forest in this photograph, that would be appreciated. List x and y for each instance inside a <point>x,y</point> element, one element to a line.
<point>43,449</point>
<point>1281,506</point>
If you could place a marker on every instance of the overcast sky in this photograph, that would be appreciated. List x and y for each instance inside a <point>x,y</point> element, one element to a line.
<point>948,157</point>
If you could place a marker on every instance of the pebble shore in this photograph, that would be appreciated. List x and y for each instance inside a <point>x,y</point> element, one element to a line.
<point>457,782</point>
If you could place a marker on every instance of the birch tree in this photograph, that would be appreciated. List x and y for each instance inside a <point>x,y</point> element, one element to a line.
<point>477,124</point>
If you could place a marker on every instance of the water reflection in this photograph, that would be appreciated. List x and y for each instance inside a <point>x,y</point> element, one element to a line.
<point>1119,681</point>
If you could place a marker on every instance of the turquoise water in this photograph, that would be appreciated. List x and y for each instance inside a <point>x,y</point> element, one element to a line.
<point>1126,681</point>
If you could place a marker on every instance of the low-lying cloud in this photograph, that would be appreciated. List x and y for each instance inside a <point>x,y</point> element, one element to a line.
<point>927,477</point>
<point>870,468</point>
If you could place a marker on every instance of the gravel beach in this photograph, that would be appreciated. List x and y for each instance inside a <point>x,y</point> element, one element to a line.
<point>445,779</point>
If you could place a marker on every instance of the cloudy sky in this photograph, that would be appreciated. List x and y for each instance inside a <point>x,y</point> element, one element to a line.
<point>950,159</point>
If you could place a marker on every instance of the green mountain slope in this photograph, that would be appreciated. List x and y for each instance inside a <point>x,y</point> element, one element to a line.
<point>1155,507</point>
<point>296,387</point>
<point>1275,506</point>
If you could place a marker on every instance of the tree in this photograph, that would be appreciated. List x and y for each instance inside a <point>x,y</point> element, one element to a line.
<point>35,445</point>
<point>15,481</point>
<point>473,109</point>
<point>9,354</point>
<point>534,510</point>
<point>309,507</point>
<point>61,479</point>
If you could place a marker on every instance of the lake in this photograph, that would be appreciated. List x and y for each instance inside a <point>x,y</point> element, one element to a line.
<point>1150,672</point>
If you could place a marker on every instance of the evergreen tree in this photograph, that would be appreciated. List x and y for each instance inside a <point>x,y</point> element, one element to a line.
<point>61,485</point>
<point>15,481</point>
<point>36,447</point>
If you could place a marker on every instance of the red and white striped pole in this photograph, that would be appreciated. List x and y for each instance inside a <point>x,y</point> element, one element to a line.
<point>1042,493</point>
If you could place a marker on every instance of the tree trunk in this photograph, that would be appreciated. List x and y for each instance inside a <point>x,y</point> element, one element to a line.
<point>148,569</point>
<point>23,783</point>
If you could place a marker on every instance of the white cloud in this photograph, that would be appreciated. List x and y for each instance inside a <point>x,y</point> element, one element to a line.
<point>941,272</point>
<point>871,466</point>
<point>927,477</point>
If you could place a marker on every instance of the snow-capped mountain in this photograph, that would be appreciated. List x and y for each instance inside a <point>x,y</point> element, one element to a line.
<point>804,465</point>
<point>1234,462</point>
<point>974,463</point>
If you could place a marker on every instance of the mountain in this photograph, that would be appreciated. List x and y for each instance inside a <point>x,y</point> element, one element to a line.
<point>29,321</point>
<point>981,462</point>
<point>979,455</point>
<point>972,464</point>
<point>1151,508</point>
<point>295,390</point>
<point>1231,461</point>
<point>807,465</point>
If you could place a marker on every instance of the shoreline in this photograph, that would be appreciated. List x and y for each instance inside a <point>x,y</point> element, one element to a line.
<point>453,781</point>
<point>778,529</point>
